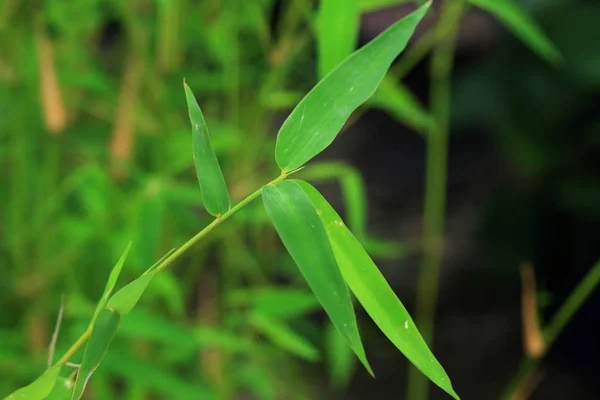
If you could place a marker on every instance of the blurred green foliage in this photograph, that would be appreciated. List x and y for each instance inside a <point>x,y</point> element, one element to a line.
<point>95,152</point>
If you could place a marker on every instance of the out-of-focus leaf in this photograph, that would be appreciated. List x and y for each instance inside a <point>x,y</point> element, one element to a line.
<point>210,176</point>
<point>397,99</point>
<point>110,284</point>
<point>374,5</point>
<point>167,288</point>
<point>140,324</point>
<point>338,22</point>
<point>275,302</point>
<point>258,381</point>
<point>374,293</point>
<point>102,334</point>
<point>224,340</point>
<point>146,223</point>
<point>282,336</point>
<point>320,115</point>
<point>152,376</point>
<point>305,238</point>
<point>382,248</point>
<point>40,388</point>
<point>516,18</point>
<point>340,360</point>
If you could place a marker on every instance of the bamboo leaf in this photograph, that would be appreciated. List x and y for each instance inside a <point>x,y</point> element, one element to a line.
<point>102,334</point>
<point>338,23</point>
<point>374,293</point>
<point>38,389</point>
<point>62,390</point>
<point>320,115</point>
<point>210,177</point>
<point>516,18</point>
<point>127,297</point>
<point>110,284</point>
<point>304,236</point>
<point>282,336</point>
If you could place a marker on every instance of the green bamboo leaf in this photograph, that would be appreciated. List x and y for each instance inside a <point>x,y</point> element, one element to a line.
<point>282,336</point>
<point>320,115</point>
<point>305,238</point>
<point>373,292</point>
<point>516,18</point>
<point>38,389</point>
<point>62,390</point>
<point>338,23</point>
<point>110,284</point>
<point>102,334</point>
<point>127,297</point>
<point>210,177</point>
<point>397,99</point>
<point>352,186</point>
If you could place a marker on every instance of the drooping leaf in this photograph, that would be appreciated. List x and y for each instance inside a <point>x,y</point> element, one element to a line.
<point>110,284</point>
<point>38,389</point>
<point>102,334</point>
<point>340,360</point>
<point>320,115</point>
<point>374,293</point>
<point>210,177</point>
<point>398,100</point>
<point>282,336</point>
<point>338,23</point>
<point>305,238</point>
<point>516,18</point>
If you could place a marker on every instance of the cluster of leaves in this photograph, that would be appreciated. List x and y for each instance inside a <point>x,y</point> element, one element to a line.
<point>326,252</point>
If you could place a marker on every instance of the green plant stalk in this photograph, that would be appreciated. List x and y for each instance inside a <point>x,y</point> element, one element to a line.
<point>175,255</point>
<point>435,186</point>
<point>552,331</point>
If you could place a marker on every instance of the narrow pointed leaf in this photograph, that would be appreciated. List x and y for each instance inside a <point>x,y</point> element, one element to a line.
<point>282,336</point>
<point>398,100</point>
<point>374,293</point>
<point>212,184</point>
<point>38,389</point>
<point>127,297</point>
<point>110,284</point>
<point>320,115</point>
<point>338,22</point>
<point>102,334</point>
<point>516,18</point>
<point>305,238</point>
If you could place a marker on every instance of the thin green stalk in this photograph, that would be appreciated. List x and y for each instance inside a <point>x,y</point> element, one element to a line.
<point>175,255</point>
<point>552,331</point>
<point>435,186</point>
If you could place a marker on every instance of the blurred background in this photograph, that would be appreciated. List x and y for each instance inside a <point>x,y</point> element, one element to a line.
<point>95,151</point>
